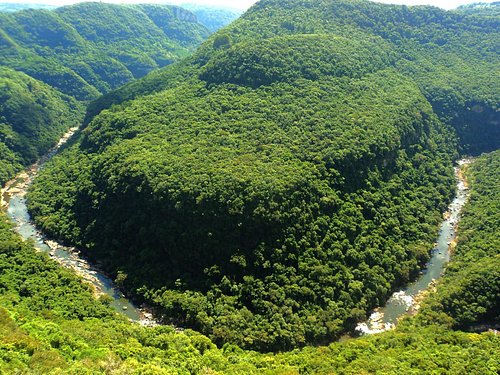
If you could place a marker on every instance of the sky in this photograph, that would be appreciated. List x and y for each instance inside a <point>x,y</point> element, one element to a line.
<point>244,4</point>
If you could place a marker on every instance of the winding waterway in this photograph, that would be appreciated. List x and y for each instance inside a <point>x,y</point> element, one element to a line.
<point>13,198</point>
<point>407,300</point>
<point>402,302</point>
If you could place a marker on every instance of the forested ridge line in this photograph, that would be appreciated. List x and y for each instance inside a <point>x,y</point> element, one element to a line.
<point>52,62</point>
<point>50,323</point>
<point>273,188</point>
<point>87,49</point>
<point>451,55</point>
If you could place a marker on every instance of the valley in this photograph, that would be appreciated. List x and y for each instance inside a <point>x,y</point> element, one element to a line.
<point>14,201</point>
<point>408,300</point>
<point>266,190</point>
<point>382,319</point>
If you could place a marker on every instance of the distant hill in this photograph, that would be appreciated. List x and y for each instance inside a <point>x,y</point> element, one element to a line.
<point>90,48</point>
<point>79,52</point>
<point>213,17</point>
<point>479,5</point>
<point>14,7</point>
<point>485,9</point>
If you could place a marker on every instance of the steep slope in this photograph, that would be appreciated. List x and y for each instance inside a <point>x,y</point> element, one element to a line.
<point>80,334</point>
<point>90,48</point>
<point>469,294</point>
<point>79,52</point>
<point>272,189</point>
<point>452,56</point>
<point>33,116</point>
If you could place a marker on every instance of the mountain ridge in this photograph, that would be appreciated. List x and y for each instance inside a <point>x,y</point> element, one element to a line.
<point>80,51</point>
<point>280,183</point>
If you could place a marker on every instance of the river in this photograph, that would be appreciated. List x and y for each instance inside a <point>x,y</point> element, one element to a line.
<point>407,300</point>
<point>13,198</point>
<point>402,302</point>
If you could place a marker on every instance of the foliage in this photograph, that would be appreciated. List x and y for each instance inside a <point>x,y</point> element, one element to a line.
<point>281,183</point>
<point>79,52</point>
<point>91,48</point>
<point>452,56</point>
<point>33,116</point>
<point>470,292</point>
<point>50,323</point>
<point>288,183</point>
<point>269,207</point>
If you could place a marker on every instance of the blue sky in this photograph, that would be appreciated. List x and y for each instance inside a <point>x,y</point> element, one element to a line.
<point>243,4</point>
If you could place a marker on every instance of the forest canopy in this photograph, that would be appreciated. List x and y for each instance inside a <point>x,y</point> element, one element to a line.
<point>87,49</point>
<point>51,323</point>
<point>52,62</point>
<point>273,188</point>
<point>33,116</point>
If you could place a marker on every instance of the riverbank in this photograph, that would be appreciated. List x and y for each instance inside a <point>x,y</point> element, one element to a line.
<point>407,301</point>
<point>18,185</point>
<point>13,201</point>
<point>403,302</point>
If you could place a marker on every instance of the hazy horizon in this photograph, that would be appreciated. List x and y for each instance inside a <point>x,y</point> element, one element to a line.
<point>245,4</point>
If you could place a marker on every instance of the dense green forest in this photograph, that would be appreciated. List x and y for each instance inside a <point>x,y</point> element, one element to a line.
<point>87,49</point>
<point>33,116</point>
<point>276,186</point>
<point>50,323</point>
<point>50,59</point>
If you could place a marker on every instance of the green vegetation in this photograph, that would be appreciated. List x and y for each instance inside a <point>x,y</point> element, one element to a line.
<point>276,186</point>
<point>260,222</point>
<point>52,58</point>
<point>33,116</point>
<point>212,17</point>
<point>268,192</point>
<point>470,294</point>
<point>451,56</point>
<point>90,48</point>
<point>50,323</point>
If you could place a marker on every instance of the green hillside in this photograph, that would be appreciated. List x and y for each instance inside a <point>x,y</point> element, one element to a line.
<point>272,189</point>
<point>90,48</point>
<point>50,323</point>
<point>451,56</point>
<point>49,59</point>
<point>33,116</point>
